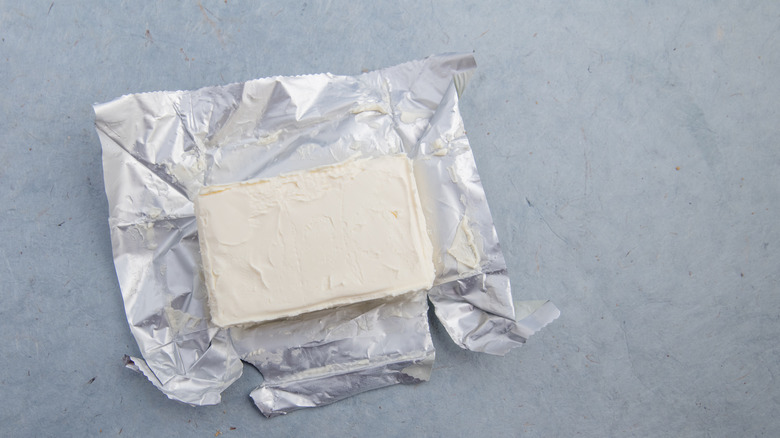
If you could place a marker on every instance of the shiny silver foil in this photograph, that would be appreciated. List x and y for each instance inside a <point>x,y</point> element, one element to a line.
<point>160,148</point>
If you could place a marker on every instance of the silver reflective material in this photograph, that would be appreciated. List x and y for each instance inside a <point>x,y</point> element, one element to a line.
<point>325,356</point>
<point>160,148</point>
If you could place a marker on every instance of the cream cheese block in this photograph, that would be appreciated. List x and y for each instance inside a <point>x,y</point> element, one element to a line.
<point>311,240</point>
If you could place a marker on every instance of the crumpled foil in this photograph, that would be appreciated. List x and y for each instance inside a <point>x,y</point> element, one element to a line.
<point>160,148</point>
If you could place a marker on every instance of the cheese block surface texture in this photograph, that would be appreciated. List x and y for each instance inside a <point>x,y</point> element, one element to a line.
<point>312,240</point>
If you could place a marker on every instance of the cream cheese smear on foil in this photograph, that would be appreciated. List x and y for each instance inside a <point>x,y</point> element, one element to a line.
<point>311,240</point>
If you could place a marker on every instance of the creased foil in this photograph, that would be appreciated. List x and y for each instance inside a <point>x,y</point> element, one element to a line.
<point>160,148</point>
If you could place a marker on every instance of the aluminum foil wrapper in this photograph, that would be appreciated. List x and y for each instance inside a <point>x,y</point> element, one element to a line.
<point>160,148</point>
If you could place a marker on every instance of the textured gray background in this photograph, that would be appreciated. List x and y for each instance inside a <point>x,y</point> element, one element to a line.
<point>630,155</point>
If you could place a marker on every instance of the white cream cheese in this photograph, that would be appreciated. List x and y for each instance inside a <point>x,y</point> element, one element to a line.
<point>463,247</point>
<point>438,148</point>
<point>311,240</point>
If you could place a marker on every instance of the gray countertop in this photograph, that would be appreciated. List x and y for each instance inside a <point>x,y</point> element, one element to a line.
<point>630,155</point>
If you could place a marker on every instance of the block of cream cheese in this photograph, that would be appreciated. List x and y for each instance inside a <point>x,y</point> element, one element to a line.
<point>312,240</point>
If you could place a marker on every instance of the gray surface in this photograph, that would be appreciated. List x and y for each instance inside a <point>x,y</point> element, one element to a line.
<point>579,116</point>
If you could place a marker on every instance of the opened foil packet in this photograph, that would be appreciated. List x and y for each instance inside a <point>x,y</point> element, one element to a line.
<point>160,148</point>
